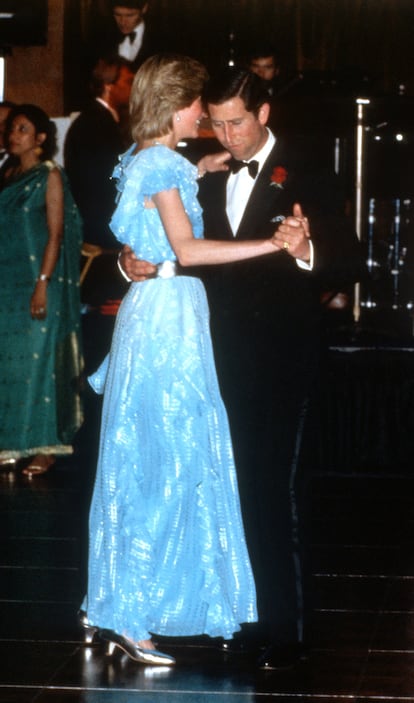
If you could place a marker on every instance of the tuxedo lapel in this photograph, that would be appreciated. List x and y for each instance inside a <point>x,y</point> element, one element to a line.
<point>212,196</point>
<point>221,208</point>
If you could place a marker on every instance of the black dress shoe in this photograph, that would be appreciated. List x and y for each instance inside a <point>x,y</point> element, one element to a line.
<point>234,646</point>
<point>279,657</point>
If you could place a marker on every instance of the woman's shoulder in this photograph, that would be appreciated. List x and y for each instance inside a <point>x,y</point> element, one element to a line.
<point>54,173</point>
<point>50,166</point>
<point>159,155</point>
<point>159,166</point>
<point>50,171</point>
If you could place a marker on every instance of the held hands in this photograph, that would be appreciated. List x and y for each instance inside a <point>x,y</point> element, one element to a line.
<point>292,235</point>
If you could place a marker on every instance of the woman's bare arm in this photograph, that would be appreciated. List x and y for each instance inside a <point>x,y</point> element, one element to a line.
<point>191,251</point>
<point>54,217</point>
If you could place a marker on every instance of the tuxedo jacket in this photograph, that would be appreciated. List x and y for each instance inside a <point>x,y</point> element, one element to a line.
<point>148,47</point>
<point>267,335</point>
<point>271,297</point>
<point>92,146</point>
<point>6,165</point>
<point>152,43</point>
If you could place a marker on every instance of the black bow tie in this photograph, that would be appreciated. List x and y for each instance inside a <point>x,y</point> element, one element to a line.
<point>252,166</point>
<point>132,36</point>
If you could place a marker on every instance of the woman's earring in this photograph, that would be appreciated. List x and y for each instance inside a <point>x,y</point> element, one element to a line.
<point>177,118</point>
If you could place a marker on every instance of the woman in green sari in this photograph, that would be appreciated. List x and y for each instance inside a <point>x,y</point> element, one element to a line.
<point>40,360</point>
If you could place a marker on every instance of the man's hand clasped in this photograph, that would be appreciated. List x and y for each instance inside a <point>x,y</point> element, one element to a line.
<point>292,235</point>
<point>136,269</point>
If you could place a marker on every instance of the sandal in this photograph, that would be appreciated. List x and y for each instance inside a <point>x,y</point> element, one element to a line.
<point>8,463</point>
<point>39,465</point>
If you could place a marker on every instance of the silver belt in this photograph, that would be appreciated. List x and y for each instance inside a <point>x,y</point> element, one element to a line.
<point>167,269</point>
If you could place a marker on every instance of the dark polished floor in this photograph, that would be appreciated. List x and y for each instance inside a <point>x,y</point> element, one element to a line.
<point>362,554</point>
<point>363,634</point>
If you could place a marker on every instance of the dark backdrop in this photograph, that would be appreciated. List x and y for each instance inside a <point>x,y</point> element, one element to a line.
<point>342,49</point>
<point>343,39</point>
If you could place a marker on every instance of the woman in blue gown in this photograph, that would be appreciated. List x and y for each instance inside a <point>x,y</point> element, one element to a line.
<point>167,552</point>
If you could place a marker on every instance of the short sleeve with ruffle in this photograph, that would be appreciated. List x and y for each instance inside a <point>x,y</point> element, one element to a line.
<point>139,177</point>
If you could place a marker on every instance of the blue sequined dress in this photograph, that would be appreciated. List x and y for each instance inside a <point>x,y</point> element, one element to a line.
<point>167,548</point>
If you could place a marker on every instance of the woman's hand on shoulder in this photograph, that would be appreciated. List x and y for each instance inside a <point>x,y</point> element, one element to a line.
<point>213,162</point>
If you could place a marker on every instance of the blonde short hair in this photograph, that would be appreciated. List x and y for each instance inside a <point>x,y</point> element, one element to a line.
<point>163,84</point>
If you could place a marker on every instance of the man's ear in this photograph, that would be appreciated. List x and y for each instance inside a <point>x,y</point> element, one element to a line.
<point>263,114</point>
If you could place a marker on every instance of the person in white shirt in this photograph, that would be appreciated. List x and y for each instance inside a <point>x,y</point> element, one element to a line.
<point>129,16</point>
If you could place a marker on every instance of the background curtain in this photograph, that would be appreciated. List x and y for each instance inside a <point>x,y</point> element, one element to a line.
<point>373,37</point>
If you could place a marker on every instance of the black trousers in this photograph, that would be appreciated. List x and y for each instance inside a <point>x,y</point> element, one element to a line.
<point>267,401</point>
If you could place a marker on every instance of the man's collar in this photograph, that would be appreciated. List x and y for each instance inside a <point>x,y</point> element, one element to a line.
<point>138,31</point>
<point>267,147</point>
<point>108,107</point>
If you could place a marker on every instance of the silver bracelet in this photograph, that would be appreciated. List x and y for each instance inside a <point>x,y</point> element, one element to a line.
<point>43,277</point>
<point>118,263</point>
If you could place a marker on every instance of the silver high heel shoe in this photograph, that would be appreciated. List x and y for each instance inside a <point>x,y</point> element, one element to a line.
<point>139,654</point>
<point>90,631</point>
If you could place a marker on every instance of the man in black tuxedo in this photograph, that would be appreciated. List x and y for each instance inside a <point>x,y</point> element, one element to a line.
<point>264,61</point>
<point>132,38</point>
<point>92,146</point>
<point>267,335</point>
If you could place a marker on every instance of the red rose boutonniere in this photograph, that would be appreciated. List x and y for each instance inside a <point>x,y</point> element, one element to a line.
<point>278,177</point>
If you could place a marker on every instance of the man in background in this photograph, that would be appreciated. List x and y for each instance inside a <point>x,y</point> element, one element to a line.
<point>92,146</point>
<point>133,41</point>
<point>127,30</point>
<point>264,62</point>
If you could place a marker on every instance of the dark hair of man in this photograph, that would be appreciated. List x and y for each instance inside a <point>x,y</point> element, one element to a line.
<point>104,72</point>
<point>235,82</point>
<point>261,51</point>
<point>130,4</point>
<point>42,124</point>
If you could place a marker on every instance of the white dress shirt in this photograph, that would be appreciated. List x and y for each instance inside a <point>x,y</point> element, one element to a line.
<point>240,185</point>
<point>109,108</point>
<point>3,157</point>
<point>129,49</point>
<point>239,188</point>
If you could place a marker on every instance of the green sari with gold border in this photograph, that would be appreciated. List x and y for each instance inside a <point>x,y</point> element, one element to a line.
<point>40,360</point>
